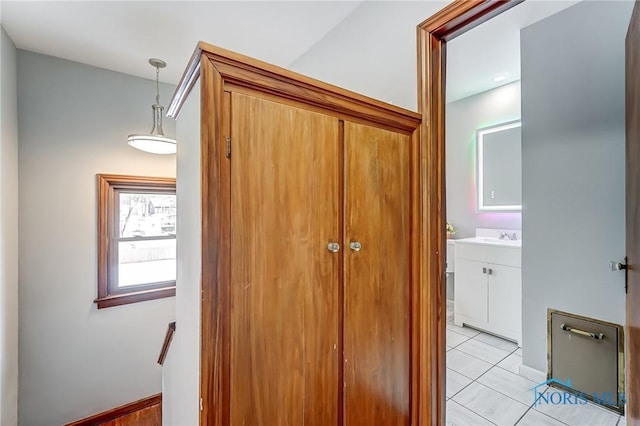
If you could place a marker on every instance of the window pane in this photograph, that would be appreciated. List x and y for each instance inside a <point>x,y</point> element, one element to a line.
<point>144,262</point>
<point>147,215</point>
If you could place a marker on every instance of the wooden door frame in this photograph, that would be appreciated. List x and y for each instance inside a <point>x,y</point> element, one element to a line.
<point>456,18</point>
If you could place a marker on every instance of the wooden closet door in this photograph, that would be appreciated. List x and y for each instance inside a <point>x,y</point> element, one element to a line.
<point>377,278</point>
<point>284,317</point>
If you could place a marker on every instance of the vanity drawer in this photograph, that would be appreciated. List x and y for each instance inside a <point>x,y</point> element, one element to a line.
<point>510,256</point>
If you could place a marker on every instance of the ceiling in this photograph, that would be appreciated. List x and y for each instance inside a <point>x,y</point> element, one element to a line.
<point>492,49</point>
<point>123,35</point>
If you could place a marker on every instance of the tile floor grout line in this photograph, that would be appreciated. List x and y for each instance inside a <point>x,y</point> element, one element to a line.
<point>500,392</point>
<point>494,365</point>
<point>493,335</point>
<point>479,415</point>
<point>529,407</point>
<point>522,416</point>
<point>482,384</point>
<point>488,362</point>
<point>480,332</point>
<point>488,387</point>
<point>509,371</point>
<point>589,402</point>
<point>543,413</point>
<point>466,340</point>
<point>480,359</point>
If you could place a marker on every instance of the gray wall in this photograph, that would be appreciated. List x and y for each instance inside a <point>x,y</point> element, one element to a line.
<point>373,51</point>
<point>463,118</point>
<point>573,167</point>
<point>73,122</point>
<point>181,370</point>
<point>8,232</point>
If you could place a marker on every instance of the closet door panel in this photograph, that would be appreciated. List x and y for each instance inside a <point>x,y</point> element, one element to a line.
<point>284,326</point>
<point>377,277</point>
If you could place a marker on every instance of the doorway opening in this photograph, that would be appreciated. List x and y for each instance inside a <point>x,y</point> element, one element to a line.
<point>554,254</point>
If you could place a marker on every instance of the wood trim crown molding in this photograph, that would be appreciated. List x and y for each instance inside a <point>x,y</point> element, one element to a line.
<point>432,34</point>
<point>187,81</point>
<point>118,412</point>
<point>244,71</point>
<point>168,338</point>
<point>462,15</point>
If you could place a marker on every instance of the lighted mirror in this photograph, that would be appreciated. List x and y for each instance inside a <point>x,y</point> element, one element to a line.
<point>500,167</point>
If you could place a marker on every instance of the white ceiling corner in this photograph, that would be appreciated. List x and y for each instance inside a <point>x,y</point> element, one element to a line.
<point>122,35</point>
<point>493,48</point>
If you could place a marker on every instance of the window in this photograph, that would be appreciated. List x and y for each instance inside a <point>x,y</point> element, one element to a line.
<point>136,239</point>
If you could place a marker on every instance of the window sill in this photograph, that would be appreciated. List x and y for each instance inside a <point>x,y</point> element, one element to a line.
<point>134,297</point>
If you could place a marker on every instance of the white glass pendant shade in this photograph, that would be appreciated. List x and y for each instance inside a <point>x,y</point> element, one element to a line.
<point>155,142</point>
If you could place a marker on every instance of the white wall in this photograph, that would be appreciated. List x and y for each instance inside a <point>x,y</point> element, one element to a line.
<point>373,51</point>
<point>181,370</point>
<point>76,360</point>
<point>573,171</point>
<point>463,118</point>
<point>8,232</point>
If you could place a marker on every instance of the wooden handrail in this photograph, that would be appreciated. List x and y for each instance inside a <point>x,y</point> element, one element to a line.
<point>171,328</point>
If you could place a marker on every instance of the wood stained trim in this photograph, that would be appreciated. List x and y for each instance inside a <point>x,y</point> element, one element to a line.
<point>107,184</point>
<point>117,412</point>
<point>135,296</point>
<point>216,247</point>
<point>417,288</point>
<point>342,209</point>
<point>632,182</point>
<point>461,16</point>
<point>168,338</point>
<point>247,72</point>
<point>453,20</point>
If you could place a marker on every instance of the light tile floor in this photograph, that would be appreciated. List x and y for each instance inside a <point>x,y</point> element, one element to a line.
<point>484,387</point>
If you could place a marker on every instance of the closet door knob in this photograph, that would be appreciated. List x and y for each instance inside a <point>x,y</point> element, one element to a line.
<point>333,247</point>
<point>355,246</point>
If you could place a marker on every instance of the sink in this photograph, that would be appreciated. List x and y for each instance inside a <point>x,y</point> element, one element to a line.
<point>490,241</point>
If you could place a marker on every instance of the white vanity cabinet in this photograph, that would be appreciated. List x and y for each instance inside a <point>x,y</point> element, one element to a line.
<point>488,286</point>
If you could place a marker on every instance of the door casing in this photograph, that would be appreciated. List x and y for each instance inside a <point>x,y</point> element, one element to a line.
<point>455,19</point>
<point>632,171</point>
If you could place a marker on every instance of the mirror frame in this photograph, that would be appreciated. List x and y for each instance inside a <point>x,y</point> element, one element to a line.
<point>480,168</point>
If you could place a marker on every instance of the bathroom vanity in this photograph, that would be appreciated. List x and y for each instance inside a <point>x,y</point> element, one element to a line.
<point>488,283</point>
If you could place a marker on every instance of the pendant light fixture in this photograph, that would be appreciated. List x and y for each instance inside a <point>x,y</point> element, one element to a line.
<point>155,142</point>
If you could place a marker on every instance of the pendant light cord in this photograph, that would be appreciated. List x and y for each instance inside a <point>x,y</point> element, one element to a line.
<point>155,141</point>
<point>158,85</point>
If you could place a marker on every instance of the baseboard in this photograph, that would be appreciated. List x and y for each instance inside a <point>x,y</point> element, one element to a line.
<point>532,374</point>
<point>117,412</point>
